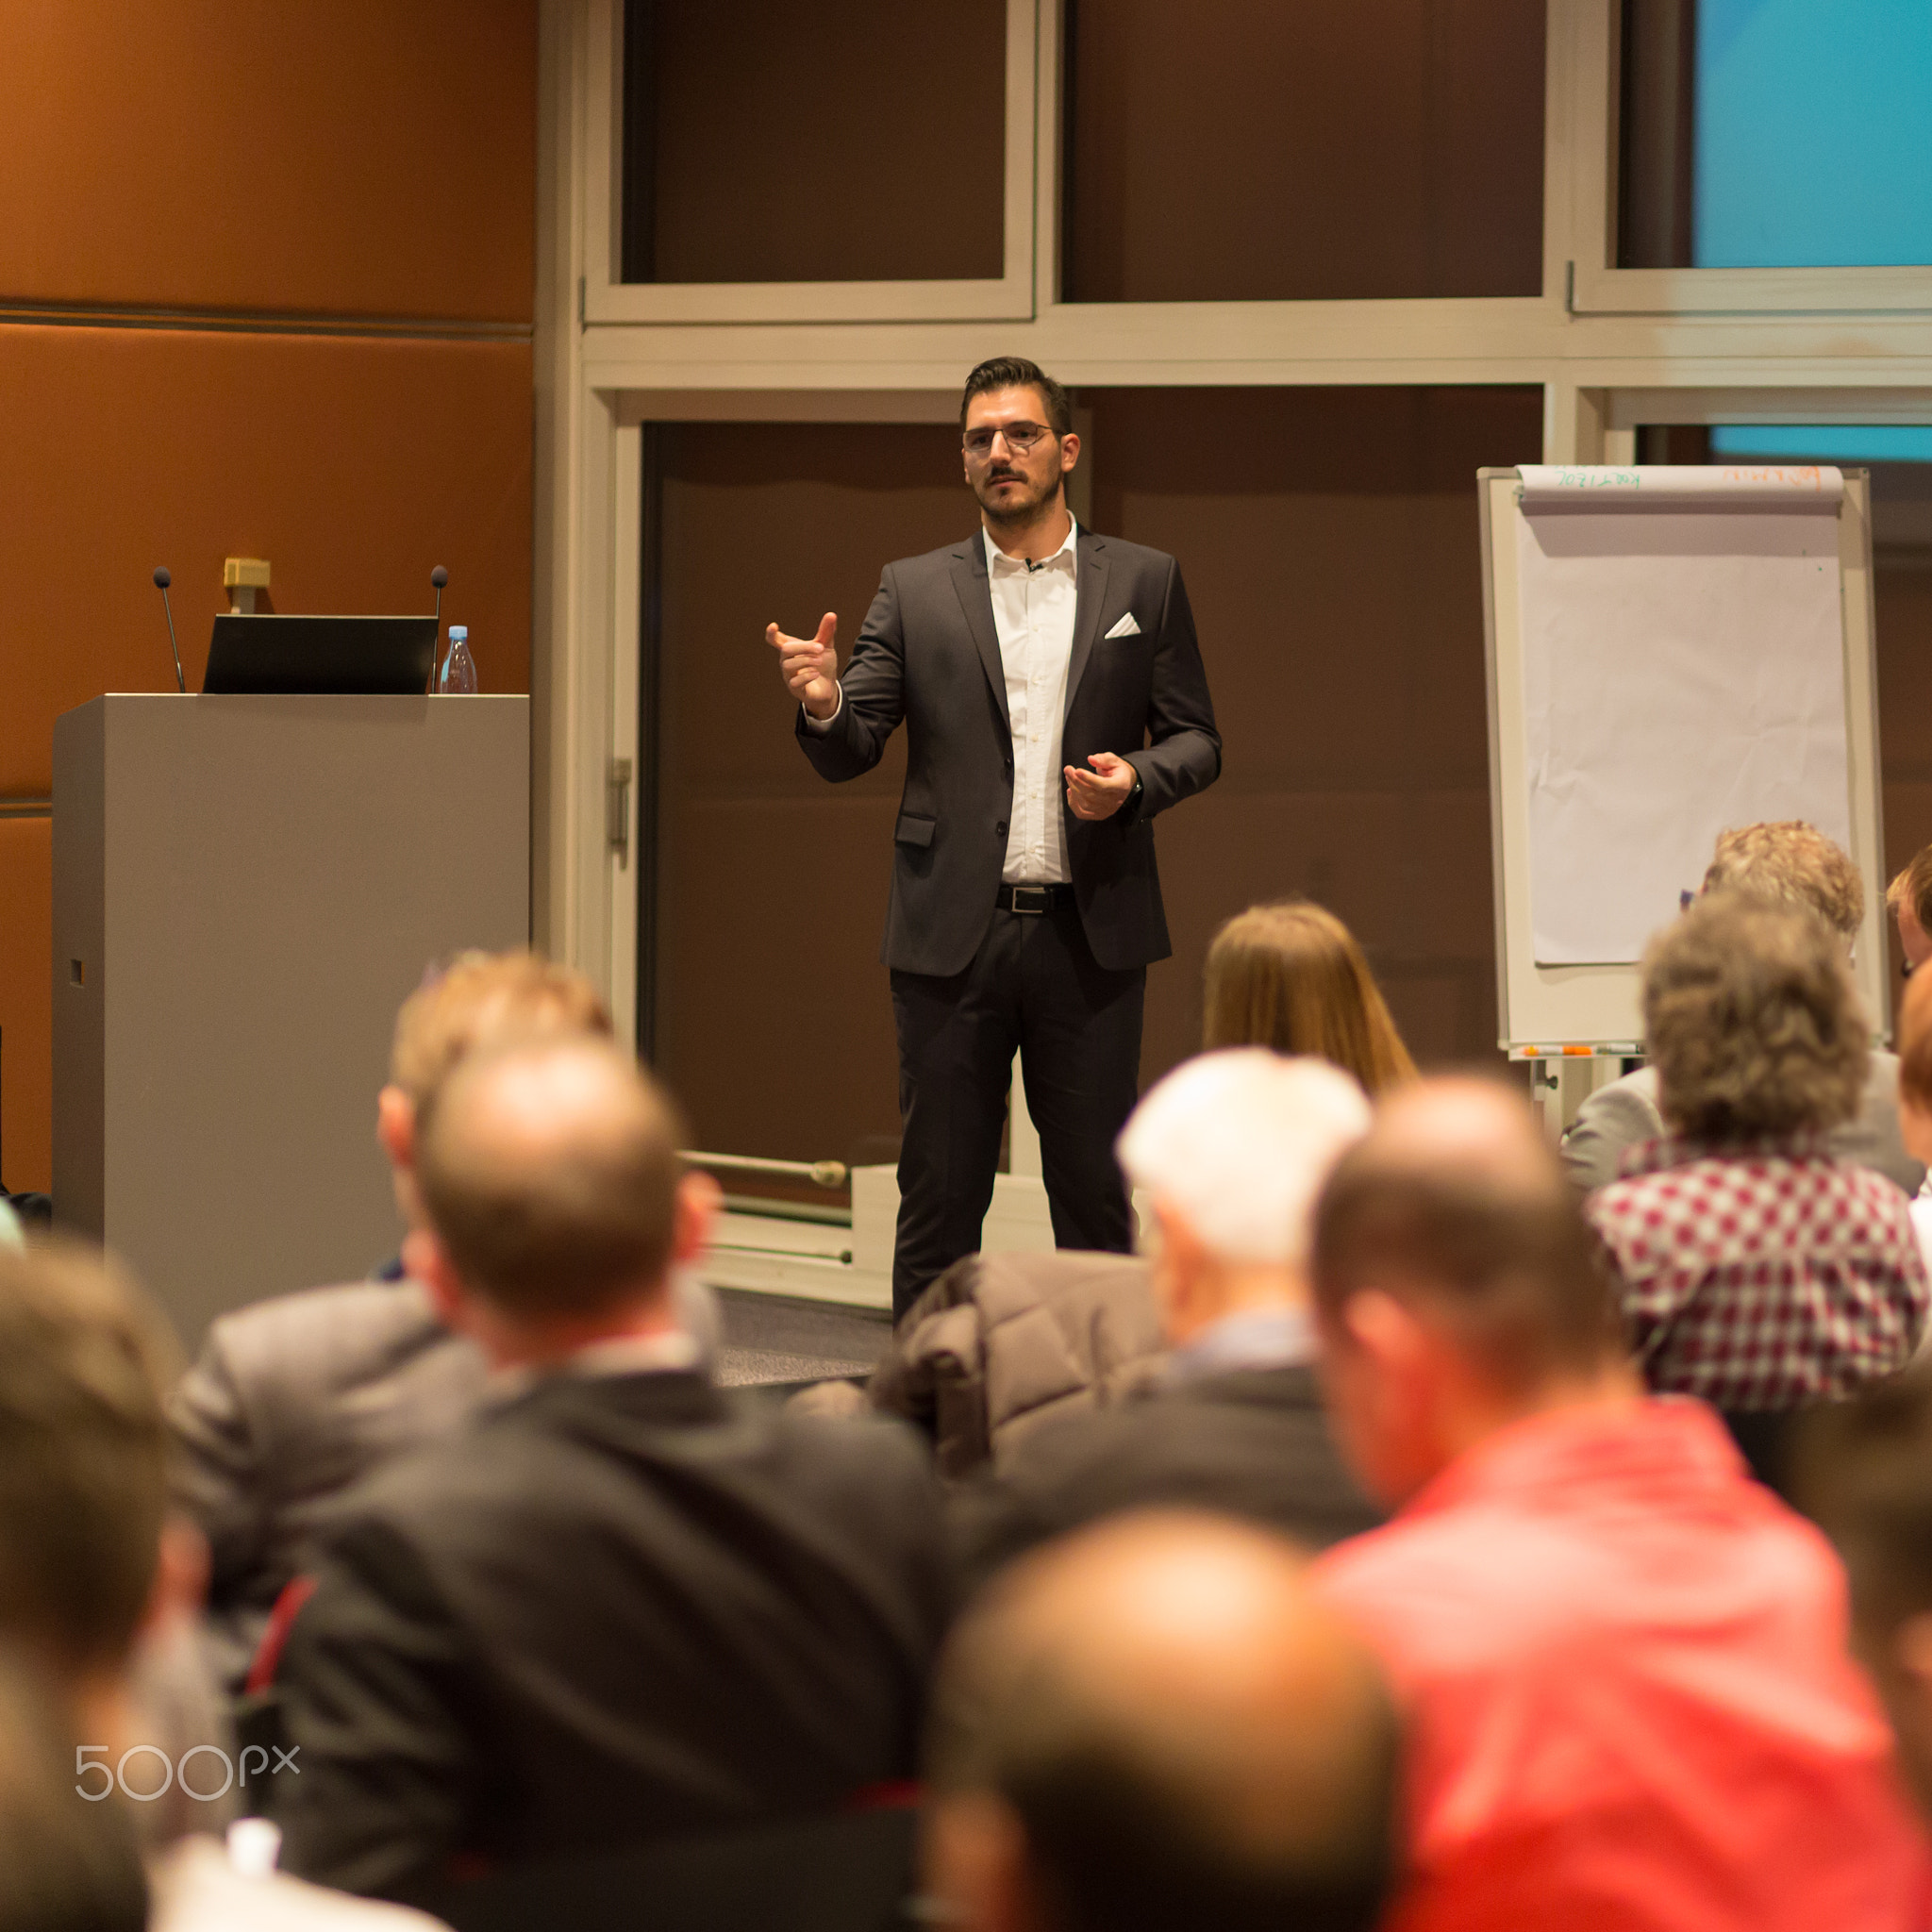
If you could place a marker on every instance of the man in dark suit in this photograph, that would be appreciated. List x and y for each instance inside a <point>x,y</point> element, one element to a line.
<point>1231,1149</point>
<point>621,1606</point>
<point>1053,702</point>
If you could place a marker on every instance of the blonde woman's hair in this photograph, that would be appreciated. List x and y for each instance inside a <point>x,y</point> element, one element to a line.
<point>1290,977</point>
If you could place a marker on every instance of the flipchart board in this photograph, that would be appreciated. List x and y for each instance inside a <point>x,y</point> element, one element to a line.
<point>1672,651</point>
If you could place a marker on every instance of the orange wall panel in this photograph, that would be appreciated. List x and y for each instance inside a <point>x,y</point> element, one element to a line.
<point>27,1013</point>
<point>351,465</point>
<point>371,157</point>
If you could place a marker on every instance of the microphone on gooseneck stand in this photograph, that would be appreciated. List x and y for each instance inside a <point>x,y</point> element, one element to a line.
<point>162,579</point>
<point>439,576</point>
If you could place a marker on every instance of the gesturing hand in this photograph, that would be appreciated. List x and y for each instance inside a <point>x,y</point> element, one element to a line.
<point>810,665</point>
<point>1101,793</point>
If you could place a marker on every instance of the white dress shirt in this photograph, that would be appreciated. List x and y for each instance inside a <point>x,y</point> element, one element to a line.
<point>1033,614</point>
<point>1033,618</point>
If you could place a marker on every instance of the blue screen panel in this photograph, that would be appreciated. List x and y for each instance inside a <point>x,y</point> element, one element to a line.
<point>1811,443</point>
<point>1814,133</point>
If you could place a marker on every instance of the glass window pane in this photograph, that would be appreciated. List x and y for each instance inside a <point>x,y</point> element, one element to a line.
<point>851,141</point>
<point>1776,133</point>
<point>1234,150</point>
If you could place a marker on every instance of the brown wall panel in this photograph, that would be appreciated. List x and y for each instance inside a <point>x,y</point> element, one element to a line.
<point>371,157</point>
<point>351,465</point>
<point>26,1021</point>
<point>773,1018</point>
<point>1240,150</point>
<point>853,140</point>
<point>1330,547</point>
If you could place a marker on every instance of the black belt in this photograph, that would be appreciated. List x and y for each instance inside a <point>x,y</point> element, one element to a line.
<point>1035,898</point>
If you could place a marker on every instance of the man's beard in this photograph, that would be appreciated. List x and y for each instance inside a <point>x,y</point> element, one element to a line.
<point>1020,509</point>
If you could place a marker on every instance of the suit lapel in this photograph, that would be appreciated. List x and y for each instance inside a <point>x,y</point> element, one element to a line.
<point>976,600</point>
<point>1090,598</point>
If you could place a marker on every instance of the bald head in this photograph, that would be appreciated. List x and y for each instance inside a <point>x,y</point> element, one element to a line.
<point>1174,1729</point>
<point>1455,1200</point>
<point>549,1172</point>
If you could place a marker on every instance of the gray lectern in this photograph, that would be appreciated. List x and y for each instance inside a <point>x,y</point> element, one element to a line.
<point>244,890</point>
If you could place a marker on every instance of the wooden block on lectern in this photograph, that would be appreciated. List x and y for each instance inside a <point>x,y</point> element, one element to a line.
<point>245,889</point>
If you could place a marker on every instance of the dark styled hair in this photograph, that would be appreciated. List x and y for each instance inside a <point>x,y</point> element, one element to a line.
<point>83,1455</point>
<point>568,1215</point>
<point>1015,371</point>
<point>1752,1021</point>
<point>1505,1258</point>
<point>1913,886</point>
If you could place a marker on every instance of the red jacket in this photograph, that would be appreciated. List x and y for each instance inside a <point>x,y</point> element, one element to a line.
<point>1630,1699</point>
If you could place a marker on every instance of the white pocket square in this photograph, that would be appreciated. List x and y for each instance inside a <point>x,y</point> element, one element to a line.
<point>1126,628</point>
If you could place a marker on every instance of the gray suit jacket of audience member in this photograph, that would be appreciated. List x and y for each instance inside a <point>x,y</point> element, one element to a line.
<point>613,1610</point>
<point>1252,1442</point>
<point>291,1402</point>
<point>1620,1115</point>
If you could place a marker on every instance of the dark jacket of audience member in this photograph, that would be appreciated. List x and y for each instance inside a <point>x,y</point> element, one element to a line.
<point>619,1605</point>
<point>620,1608</point>
<point>1251,1442</point>
<point>1002,1345</point>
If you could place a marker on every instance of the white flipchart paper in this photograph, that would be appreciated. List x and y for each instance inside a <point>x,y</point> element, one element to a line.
<point>1683,673</point>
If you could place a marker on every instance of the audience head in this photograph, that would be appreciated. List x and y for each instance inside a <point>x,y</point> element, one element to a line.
<point>1909,897</point>
<point>1787,863</point>
<point>1231,1149</point>
<point>1752,1022</point>
<point>1153,1725</point>
<point>83,1459</point>
<point>1915,1067</point>
<point>1292,977</point>
<point>554,1195</point>
<point>475,998</point>
<point>1456,1283</point>
<point>1865,1474</point>
<point>65,1865</point>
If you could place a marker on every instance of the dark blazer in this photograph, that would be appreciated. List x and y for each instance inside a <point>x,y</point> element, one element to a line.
<point>929,654</point>
<point>612,1609</point>
<point>1249,1442</point>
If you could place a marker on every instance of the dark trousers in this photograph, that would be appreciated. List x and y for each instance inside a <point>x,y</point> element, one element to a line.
<point>1034,987</point>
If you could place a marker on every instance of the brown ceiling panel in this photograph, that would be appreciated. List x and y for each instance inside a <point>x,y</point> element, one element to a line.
<point>351,465</point>
<point>370,157</point>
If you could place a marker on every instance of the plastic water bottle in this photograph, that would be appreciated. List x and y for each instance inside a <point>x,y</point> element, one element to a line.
<point>459,669</point>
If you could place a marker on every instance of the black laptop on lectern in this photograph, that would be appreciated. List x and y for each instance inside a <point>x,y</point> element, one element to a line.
<point>362,656</point>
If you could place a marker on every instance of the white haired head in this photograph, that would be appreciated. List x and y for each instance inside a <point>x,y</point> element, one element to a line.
<point>1239,1143</point>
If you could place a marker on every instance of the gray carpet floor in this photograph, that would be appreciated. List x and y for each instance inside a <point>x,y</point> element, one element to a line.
<point>768,1339</point>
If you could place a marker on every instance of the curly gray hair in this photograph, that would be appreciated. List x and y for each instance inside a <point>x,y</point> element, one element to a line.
<point>1753,1025</point>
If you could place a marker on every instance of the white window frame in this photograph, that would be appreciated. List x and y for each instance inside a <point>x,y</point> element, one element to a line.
<point>1612,350</point>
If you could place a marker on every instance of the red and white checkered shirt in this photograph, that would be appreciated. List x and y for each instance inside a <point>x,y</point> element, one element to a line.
<point>1762,1274</point>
